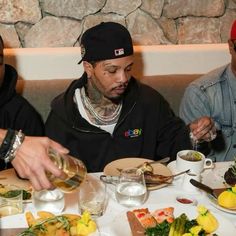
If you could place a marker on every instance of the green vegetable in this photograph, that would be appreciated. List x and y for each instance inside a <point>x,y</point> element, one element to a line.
<point>40,227</point>
<point>183,218</point>
<point>178,226</point>
<point>11,193</point>
<point>172,228</point>
<point>189,224</point>
<point>14,193</point>
<point>159,230</point>
<point>26,195</point>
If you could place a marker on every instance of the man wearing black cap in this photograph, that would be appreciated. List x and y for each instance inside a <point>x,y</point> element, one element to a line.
<point>106,114</point>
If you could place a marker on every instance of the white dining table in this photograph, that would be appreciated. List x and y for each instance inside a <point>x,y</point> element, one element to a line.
<point>165,196</point>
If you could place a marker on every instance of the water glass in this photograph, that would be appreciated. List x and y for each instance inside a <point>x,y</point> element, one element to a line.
<point>92,197</point>
<point>49,200</point>
<point>11,200</point>
<point>131,190</point>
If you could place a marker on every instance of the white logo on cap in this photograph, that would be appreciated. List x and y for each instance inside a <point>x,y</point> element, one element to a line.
<point>119,51</point>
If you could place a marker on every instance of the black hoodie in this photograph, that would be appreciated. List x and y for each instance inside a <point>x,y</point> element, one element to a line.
<point>146,128</point>
<point>15,111</point>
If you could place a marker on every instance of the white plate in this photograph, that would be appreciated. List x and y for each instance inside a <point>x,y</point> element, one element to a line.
<point>111,168</point>
<point>9,177</point>
<point>120,225</point>
<point>10,221</point>
<point>215,177</point>
<point>214,203</point>
<point>19,221</point>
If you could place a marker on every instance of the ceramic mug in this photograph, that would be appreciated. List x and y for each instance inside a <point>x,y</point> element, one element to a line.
<point>195,161</point>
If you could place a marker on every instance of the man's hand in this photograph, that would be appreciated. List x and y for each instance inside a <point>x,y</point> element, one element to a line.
<point>203,129</point>
<point>32,161</point>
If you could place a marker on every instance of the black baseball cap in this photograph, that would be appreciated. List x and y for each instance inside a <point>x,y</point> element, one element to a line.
<point>107,40</point>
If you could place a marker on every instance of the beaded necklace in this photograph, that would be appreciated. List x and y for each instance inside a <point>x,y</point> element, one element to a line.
<point>105,120</point>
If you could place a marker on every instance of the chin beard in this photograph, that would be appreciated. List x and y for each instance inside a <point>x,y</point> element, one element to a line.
<point>116,99</point>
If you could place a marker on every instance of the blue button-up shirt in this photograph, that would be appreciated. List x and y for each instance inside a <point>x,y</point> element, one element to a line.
<point>214,95</point>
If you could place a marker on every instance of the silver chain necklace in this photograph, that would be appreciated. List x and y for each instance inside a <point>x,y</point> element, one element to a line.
<point>111,119</point>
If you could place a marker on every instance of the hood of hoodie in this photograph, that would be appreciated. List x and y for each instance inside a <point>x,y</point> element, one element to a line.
<point>7,90</point>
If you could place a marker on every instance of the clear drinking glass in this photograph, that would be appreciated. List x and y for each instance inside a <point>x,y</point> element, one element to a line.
<point>73,168</point>
<point>75,172</point>
<point>11,200</point>
<point>49,200</point>
<point>131,190</point>
<point>92,196</point>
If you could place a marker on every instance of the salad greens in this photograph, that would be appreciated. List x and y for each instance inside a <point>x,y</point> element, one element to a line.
<point>14,193</point>
<point>179,226</point>
<point>160,230</point>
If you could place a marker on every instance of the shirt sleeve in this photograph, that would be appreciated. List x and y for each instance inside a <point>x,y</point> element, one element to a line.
<point>194,104</point>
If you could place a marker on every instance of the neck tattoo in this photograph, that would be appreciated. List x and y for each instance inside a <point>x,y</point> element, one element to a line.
<point>101,115</point>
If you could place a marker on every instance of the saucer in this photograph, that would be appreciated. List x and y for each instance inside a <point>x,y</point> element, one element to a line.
<point>172,167</point>
<point>179,180</point>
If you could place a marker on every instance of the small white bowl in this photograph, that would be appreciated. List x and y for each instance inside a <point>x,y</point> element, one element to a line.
<point>186,200</point>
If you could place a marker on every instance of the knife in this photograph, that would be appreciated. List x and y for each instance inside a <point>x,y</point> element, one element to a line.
<point>11,231</point>
<point>213,192</point>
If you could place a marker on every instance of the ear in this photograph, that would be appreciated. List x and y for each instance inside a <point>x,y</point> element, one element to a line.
<point>231,46</point>
<point>88,68</point>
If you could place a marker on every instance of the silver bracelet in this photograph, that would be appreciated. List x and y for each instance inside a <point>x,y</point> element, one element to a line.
<point>18,140</point>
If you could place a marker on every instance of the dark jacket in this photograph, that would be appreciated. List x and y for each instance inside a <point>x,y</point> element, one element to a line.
<point>146,128</point>
<point>15,111</point>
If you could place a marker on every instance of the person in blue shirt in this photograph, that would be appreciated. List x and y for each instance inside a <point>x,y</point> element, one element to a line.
<point>213,96</point>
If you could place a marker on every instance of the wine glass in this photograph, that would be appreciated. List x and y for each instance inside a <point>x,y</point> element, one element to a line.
<point>131,190</point>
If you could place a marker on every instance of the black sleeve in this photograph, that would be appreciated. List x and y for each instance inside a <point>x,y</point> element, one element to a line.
<point>55,128</point>
<point>26,118</point>
<point>173,134</point>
